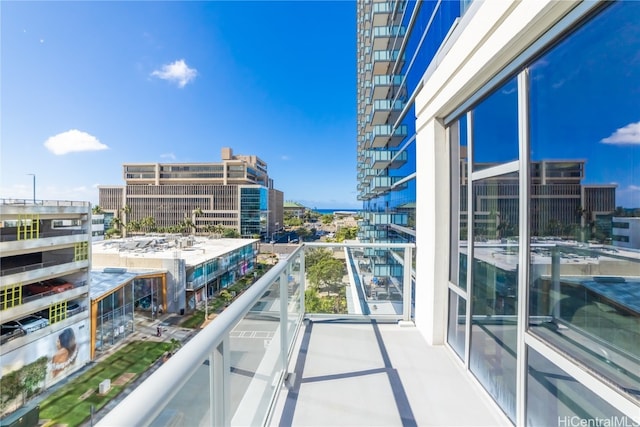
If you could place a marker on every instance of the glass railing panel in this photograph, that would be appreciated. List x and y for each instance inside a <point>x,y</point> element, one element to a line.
<point>372,284</point>
<point>190,406</point>
<point>256,359</point>
<point>295,311</point>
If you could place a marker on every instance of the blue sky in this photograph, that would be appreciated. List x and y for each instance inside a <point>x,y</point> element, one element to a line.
<point>87,86</point>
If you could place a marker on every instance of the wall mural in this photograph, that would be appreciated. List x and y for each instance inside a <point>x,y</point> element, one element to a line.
<point>38,365</point>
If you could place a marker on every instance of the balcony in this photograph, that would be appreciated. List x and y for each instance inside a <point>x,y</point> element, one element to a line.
<point>382,85</point>
<point>380,184</point>
<point>381,13</point>
<point>264,361</point>
<point>385,110</point>
<point>387,159</point>
<point>383,60</point>
<point>382,36</point>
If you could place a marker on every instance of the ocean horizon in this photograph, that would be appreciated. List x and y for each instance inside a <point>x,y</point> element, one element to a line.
<point>332,210</point>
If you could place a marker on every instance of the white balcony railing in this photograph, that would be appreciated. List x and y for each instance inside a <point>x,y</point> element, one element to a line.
<point>222,377</point>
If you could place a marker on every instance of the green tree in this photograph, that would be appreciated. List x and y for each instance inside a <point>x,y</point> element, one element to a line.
<point>10,388</point>
<point>314,256</point>
<point>327,274</point>
<point>97,210</point>
<point>33,376</point>
<point>293,222</point>
<point>327,219</point>
<point>133,226</point>
<point>116,223</point>
<point>230,233</point>
<point>303,233</point>
<point>148,223</point>
<point>346,233</point>
<point>314,303</point>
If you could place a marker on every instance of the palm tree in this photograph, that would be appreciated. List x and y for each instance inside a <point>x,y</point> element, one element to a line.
<point>116,223</point>
<point>187,225</point>
<point>97,210</point>
<point>195,213</point>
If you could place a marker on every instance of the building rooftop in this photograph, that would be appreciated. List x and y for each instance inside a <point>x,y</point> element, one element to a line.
<point>193,249</point>
<point>104,281</point>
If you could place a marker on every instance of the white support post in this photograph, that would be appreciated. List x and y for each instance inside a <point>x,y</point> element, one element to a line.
<point>284,304</point>
<point>220,390</point>
<point>406,285</point>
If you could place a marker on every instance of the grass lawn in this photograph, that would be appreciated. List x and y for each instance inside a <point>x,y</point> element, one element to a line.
<point>71,404</point>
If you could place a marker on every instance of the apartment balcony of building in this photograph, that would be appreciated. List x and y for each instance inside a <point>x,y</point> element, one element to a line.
<point>382,37</point>
<point>384,60</point>
<point>381,13</point>
<point>382,184</point>
<point>264,361</point>
<point>383,86</point>
<point>365,194</point>
<point>385,111</point>
<point>387,159</point>
<point>376,218</point>
<point>367,88</point>
<point>367,54</point>
<point>379,234</point>
<point>368,107</point>
<point>369,174</point>
<point>367,72</point>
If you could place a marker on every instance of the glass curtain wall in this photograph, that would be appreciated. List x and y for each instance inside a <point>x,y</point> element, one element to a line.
<point>115,311</point>
<point>540,143</point>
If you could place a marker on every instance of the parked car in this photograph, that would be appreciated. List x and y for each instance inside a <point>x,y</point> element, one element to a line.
<point>9,331</point>
<point>32,323</point>
<point>54,286</point>
<point>73,308</point>
<point>27,325</point>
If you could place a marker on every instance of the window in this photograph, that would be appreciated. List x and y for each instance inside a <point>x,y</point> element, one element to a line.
<point>11,296</point>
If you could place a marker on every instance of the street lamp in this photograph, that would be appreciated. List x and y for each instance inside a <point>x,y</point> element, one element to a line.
<point>34,186</point>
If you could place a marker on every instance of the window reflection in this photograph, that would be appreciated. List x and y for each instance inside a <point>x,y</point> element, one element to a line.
<point>495,128</point>
<point>555,399</point>
<point>585,180</point>
<point>457,322</point>
<point>494,288</point>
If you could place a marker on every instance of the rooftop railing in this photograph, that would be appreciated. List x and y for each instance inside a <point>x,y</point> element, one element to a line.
<point>231,372</point>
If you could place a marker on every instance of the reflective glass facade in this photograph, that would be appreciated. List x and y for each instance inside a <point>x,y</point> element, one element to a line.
<point>544,303</point>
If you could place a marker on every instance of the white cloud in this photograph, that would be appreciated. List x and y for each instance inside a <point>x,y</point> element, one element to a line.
<point>285,158</point>
<point>72,141</point>
<point>168,156</point>
<point>178,72</point>
<point>628,135</point>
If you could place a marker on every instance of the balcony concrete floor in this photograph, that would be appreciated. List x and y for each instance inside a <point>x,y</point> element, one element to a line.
<point>367,373</point>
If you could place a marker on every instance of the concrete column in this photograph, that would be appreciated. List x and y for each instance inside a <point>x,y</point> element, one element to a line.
<point>432,230</point>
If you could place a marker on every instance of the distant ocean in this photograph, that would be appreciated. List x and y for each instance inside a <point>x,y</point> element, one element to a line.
<point>331,211</point>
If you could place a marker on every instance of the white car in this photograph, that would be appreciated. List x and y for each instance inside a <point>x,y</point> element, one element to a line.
<point>32,323</point>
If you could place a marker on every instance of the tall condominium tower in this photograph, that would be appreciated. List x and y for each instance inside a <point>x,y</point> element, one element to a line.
<point>235,193</point>
<point>501,137</point>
